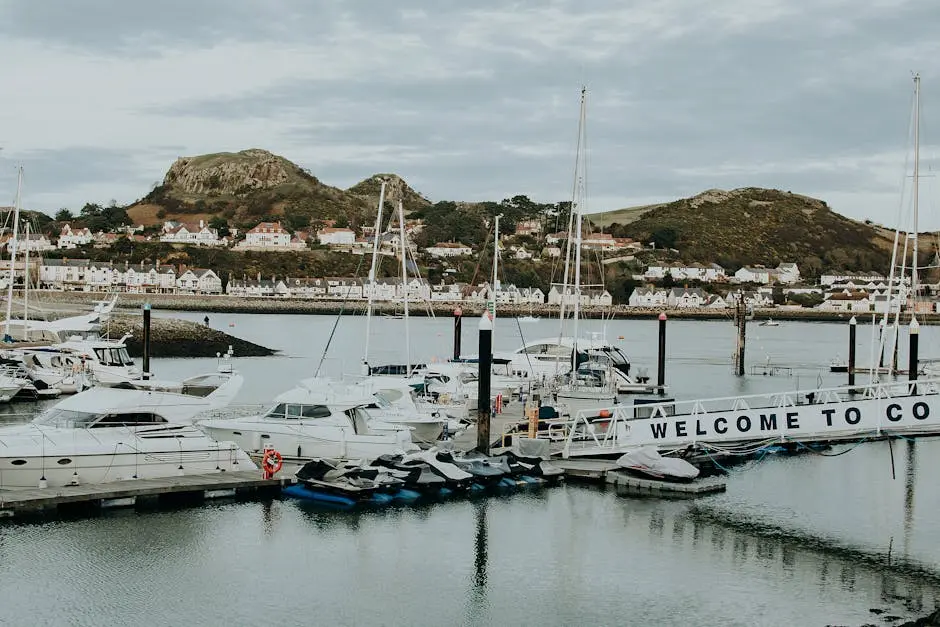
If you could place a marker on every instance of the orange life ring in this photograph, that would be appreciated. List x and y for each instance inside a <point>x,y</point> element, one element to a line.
<point>271,462</point>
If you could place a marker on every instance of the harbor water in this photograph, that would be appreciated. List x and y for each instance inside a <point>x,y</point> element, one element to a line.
<point>834,539</point>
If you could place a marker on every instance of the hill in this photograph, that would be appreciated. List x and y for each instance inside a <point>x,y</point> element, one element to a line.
<point>252,185</point>
<point>757,226</point>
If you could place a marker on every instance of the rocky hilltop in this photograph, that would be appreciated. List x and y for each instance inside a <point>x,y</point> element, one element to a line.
<point>755,226</point>
<point>248,186</point>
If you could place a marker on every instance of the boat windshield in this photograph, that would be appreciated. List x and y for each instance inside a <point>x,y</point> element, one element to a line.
<point>380,401</point>
<point>66,418</point>
<point>296,411</point>
<point>114,356</point>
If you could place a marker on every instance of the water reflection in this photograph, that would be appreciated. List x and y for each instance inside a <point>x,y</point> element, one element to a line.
<point>476,599</point>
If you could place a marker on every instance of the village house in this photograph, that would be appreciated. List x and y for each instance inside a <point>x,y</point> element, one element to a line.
<point>73,238</point>
<point>252,288</point>
<point>449,249</point>
<point>685,298</point>
<point>269,236</point>
<point>333,236</point>
<point>447,293</point>
<point>551,252</point>
<point>35,243</point>
<point>306,288</point>
<point>528,227</point>
<point>199,281</point>
<point>753,274</point>
<point>149,279</point>
<point>842,278</point>
<point>519,252</point>
<point>647,297</point>
<point>788,273</point>
<point>855,302</point>
<point>63,274</point>
<point>715,302</point>
<point>197,234</point>
<point>589,297</point>
<point>555,238</point>
<point>598,241</point>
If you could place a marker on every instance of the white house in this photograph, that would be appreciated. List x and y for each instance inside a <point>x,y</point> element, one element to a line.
<point>198,234</point>
<point>449,249</point>
<point>684,298</point>
<point>145,278</point>
<point>199,281</point>
<point>63,274</point>
<point>788,273</point>
<point>551,251</point>
<point>266,236</point>
<point>447,293</point>
<point>73,238</point>
<point>647,297</point>
<point>844,277</point>
<point>332,236</point>
<point>528,227</point>
<point>855,302</point>
<point>755,274</point>
<point>519,252</point>
<point>555,238</point>
<point>36,243</point>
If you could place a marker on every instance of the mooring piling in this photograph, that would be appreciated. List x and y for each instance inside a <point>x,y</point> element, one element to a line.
<point>483,384</point>
<point>146,341</point>
<point>853,326</point>
<point>661,361</point>
<point>458,317</point>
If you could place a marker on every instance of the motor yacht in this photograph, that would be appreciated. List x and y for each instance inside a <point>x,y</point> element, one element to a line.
<point>112,434</point>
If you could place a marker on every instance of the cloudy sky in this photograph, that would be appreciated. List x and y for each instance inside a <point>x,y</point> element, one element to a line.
<point>475,100</point>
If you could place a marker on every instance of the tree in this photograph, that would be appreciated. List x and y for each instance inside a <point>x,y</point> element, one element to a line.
<point>220,224</point>
<point>668,280</point>
<point>665,237</point>
<point>64,215</point>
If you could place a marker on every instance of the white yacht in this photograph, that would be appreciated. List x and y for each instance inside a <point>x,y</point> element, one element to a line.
<point>306,423</point>
<point>110,434</point>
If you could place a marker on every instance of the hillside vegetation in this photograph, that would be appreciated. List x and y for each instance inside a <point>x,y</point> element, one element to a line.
<point>760,226</point>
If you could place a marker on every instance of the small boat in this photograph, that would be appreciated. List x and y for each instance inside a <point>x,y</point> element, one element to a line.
<point>837,365</point>
<point>647,462</point>
<point>528,319</point>
<point>769,322</point>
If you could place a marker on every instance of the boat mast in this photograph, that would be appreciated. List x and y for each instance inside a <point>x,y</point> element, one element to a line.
<point>581,184</point>
<point>404,285</point>
<point>574,192</point>
<point>16,227</point>
<point>494,287</point>
<point>26,288</point>
<point>916,189</point>
<point>375,256</point>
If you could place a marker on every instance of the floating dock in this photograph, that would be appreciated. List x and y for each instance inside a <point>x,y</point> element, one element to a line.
<point>603,471</point>
<point>91,497</point>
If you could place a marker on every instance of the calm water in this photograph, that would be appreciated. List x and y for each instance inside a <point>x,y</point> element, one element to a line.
<point>810,540</point>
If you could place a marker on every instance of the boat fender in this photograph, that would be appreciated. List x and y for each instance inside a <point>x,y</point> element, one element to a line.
<point>271,463</point>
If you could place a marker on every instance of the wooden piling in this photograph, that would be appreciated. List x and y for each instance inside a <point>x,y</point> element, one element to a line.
<point>661,361</point>
<point>483,384</point>
<point>853,324</point>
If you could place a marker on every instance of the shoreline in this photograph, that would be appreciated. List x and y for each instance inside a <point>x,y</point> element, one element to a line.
<point>249,305</point>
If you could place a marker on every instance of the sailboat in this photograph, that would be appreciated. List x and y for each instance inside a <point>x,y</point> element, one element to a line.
<point>592,383</point>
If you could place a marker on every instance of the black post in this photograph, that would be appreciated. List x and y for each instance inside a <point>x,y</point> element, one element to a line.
<point>913,335</point>
<point>661,364</point>
<point>458,317</point>
<point>483,387</point>
<point>742,319</point>
<point>852,328</point>
<point>146,340</point>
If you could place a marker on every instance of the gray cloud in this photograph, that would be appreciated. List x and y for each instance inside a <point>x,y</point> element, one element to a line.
<point>481,102</point>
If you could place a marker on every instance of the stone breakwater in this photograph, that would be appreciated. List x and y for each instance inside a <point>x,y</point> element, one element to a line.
<point>180,338</point>
<point>239,304</point>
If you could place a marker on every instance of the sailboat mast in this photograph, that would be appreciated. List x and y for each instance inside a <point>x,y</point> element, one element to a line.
<point>404,285</point>
<point>16,227</point>
<point>26,288</point>
<point>494,286</point>
<point>375,257</point>
<point>574,193</point>
<point>577,208</point>
<point>916,188</point>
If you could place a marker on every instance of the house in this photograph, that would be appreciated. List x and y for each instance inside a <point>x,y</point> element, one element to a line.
<point>596,298</point>
<point>788,273</point>
<point>146,279</point>
<point>382,289</point>
<point>339,288</point>
<point>73,238</point>
<point>63,274</point>
<point>447,293</point>
<point>519,252</point>
<point>531,296</point>
<point>253,288</point>
<point>198,234</point>
<point>106,240</point>
<point>647,297</point>
<point>755,274</point>
<point>528,227</point>
<point>267,236</point>
<point>598,241</point>
<point>832,280</point>
<point>449,249</point>
<point>555,238</point>
<point>715,302</point>
<point>855,302</point>
<point>306,288</point>
<point>551,251</point>
<point>104,277</point>
<point>34,242</point>
<point>685,298</point>
<point>332,236</point>
<point>199,281</point>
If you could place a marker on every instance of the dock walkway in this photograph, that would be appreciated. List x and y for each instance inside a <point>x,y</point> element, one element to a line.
<point>137,491</point>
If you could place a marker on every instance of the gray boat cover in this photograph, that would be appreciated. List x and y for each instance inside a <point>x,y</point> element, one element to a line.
<point>647,460</point>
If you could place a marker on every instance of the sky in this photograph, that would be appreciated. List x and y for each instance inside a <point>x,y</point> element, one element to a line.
<point>478,100</point>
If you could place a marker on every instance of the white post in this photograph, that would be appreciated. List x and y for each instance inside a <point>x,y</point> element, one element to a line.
<point>916,190</point>
<point>494,287</point>
<point>16,227</point>
<point>26,288</point>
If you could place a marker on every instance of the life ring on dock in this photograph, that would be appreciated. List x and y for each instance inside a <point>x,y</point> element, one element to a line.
<point>271,463</point>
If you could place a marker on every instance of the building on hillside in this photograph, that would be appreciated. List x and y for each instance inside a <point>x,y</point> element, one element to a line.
<point>197,234</point>
<point>332,236</point>
<point>73,238</point>
<point>35,243</point>
<point>149,279</point>
<point>788,273</point>
<point>686,298</point>
<point>449,249</point>
<point>753,274</point>
<point>268,236</point>
<point>63,274</point>
<point>553,252</point>
<point>529,227</point>
<point>556,238</point>
<point>834,279</point>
